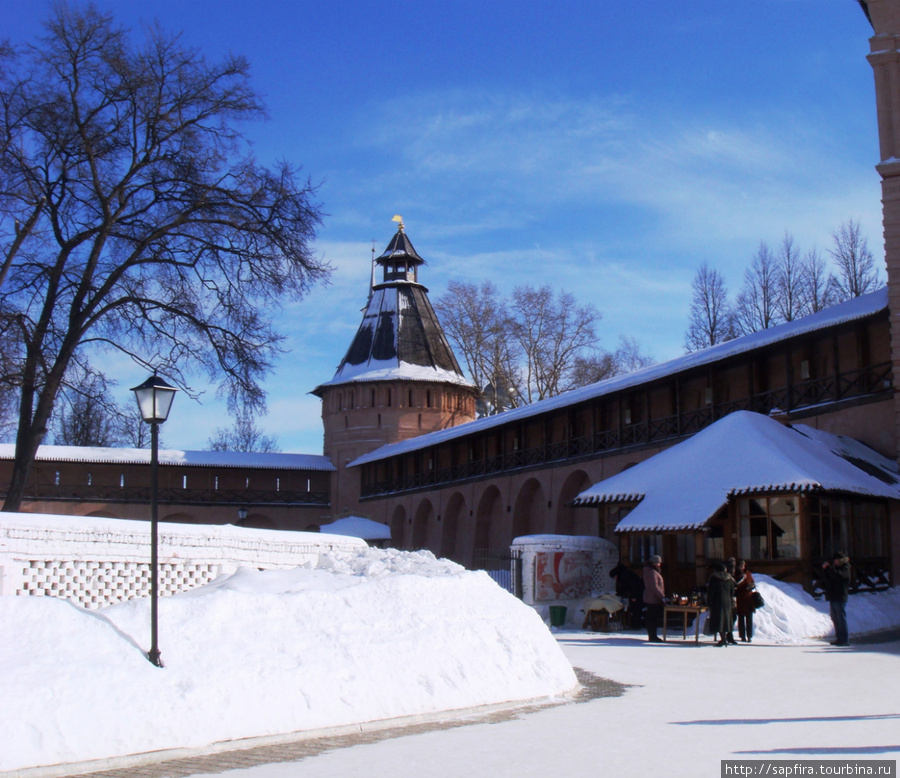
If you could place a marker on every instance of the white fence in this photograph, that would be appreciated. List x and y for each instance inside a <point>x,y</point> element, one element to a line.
<point>96,562</point>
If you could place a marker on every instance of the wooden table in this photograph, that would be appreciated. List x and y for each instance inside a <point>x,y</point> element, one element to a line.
<point>685,611</point>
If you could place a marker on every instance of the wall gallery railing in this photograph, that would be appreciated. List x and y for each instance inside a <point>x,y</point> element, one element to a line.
<point>169,496</point>
<point>851,385</point>
<point>96,562</point>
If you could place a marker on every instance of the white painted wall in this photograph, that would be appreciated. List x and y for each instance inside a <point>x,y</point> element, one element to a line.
<point>96,562</point>
<point>604,556</point>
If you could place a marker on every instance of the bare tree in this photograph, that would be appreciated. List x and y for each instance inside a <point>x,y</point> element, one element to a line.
<point>711,320</point>
<point>819,285</point>
<point>474,318</point>
<point>243,436</point>
<point>134,431</point>
<point>757,303</point>
<point>530,347</point>
<point>594,368</point>
<point>87,415</point>
<point>630,356</point>
<point>790,281</point>
<point>133,218</point>
<point>857,273</point>
<point>9,371</point>
<point>553,331</point>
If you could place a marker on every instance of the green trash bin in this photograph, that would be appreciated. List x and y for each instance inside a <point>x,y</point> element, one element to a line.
<point>558,615</point>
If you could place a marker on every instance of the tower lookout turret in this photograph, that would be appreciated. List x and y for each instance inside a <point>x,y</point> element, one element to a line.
<point>399,378</point>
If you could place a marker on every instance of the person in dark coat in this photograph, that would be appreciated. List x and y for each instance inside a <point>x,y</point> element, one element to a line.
<point>743,600</point>
<point>836,582</point>
<point>654,596</point>
<point>720,599</point>
<point>731,569</point>
<point>630,587</point>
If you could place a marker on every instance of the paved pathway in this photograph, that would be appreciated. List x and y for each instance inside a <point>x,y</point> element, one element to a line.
<point>592,687</point>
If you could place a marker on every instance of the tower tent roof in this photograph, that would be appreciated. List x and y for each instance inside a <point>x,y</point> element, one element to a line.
<point>400,246</point>
<point>400,337</point>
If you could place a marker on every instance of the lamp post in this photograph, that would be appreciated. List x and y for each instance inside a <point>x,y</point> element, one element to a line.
<point>154,398</point>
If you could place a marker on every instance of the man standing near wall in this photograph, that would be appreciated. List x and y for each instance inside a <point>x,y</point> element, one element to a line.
<point>654,596</point>
<point>836,582</point>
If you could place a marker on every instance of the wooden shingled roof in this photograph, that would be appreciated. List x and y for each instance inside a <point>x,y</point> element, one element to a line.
<point>400,336</point>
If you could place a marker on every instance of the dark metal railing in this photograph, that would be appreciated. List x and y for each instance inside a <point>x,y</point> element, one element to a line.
<point>141,494</point>
<point>503,565</point>
<point>868,574</point>
<point>853,384</point>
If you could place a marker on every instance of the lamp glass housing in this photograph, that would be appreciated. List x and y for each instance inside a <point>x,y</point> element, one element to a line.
<point>154,398</point>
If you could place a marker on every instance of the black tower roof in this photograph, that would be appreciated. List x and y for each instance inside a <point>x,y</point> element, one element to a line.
<point>400,336</point>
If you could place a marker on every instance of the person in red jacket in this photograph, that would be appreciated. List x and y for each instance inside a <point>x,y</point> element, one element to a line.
<point>654,596</point>
<point>743,596</point>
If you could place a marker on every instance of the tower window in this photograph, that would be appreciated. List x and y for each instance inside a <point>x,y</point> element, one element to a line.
<point>410,398</point>
<point>389,398</point>
<point>373,398</point>
<point>428,398</point>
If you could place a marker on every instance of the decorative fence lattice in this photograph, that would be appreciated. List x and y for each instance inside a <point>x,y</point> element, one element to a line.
<point>97,584</point>
<point>97,562</point>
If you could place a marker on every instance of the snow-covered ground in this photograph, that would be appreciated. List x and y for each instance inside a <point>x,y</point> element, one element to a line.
<point>689,708</point>
<point>379,634</point>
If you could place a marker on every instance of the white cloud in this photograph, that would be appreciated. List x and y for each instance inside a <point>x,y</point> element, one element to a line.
<point>511,159</point>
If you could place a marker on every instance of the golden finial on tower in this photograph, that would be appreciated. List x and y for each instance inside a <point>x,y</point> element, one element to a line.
<point>399,220</point>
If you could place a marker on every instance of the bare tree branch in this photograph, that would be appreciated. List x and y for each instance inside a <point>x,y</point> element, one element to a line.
<point>757,303</point>
<point>131,214</point>
<point>711,318</point>
<point>243,436</point>
<point>857,272</point>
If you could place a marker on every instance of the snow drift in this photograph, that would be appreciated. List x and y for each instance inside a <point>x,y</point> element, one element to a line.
<point>360,636</point>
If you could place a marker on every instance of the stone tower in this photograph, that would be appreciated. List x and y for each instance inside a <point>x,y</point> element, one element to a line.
<point>399,378</point>
<point>884,57</point>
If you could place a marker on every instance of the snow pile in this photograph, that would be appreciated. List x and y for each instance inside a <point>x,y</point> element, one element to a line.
<point>792,616</point>
<point>357,527</point>
<point>357,637</point>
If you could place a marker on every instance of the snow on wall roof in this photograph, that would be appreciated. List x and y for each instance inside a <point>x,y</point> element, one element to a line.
<point>357,527</point>
<point>390,370</point>
<point>858,308</point>
<point>140,456</point>
<point>684,486</point>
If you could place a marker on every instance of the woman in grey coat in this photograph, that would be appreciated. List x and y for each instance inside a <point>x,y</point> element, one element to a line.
<point>720,599</point>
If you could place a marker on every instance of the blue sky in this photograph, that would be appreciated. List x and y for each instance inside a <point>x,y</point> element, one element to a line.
<point>605,148</point>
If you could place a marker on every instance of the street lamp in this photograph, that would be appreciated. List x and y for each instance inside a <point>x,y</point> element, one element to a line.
<point>154,398</point>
